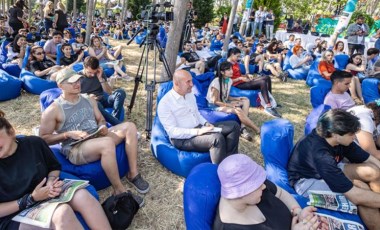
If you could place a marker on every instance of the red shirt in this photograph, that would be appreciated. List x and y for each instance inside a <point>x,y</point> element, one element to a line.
<point>236,73</point>
<point>325,66</point>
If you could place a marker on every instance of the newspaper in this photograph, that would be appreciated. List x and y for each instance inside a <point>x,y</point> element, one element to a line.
<point>41,213</point>
<point>331,200</point>
<point>90,136</point>
<point>340,224</point>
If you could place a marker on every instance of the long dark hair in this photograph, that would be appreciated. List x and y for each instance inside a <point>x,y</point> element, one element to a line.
<point>4,124</point>
<point>16,48</point>
<point>351,60</point>
<point>222,67</point>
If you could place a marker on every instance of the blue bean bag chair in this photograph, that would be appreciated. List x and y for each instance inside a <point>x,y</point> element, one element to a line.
<point>47,97</point>
<point>177,161</point>
<point>314,77</point>
<point>276,146</point>
<point>32,83</point>
<point>89,188</point>
<point>341,61</point>
<point>4,51</point>
<point>286,63</point>
<point>296,74</point>
<point>201,196</point>
<point>312,118</point>
<point>12,68</point>
<point>140,38</point>
<point>93,172</point>
<point>216,45</point>
<point>318,93</point>
<point>370,88</point>
<point>10,87</point>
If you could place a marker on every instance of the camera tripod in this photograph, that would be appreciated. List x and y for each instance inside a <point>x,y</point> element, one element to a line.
<point>150,42</point>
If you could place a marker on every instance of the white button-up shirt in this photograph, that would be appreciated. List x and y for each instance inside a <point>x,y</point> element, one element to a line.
<point>179,115</point>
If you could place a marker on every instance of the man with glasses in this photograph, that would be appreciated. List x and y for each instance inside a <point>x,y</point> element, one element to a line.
<point>73,116</point>
<point>50,46</point>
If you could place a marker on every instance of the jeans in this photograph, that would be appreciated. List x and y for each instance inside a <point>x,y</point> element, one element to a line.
<point>220,145</point>
<point>48,24</point>
<point>269,31</point>
<point>248,30</point>
<point>257,25</point>
<point>115,101</point>
<point>355,47</point>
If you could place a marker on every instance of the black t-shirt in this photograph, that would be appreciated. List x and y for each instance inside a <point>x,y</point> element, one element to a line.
<point>313,157</point>
<point>40,66</point>
<point>21,172</point>
<point>276,213</point>
<point>91,85</point>
<point>252,58</point>
<point>14,14</point>
<point>68,61</point>
<point>190,56</point>
<point>62,19</point>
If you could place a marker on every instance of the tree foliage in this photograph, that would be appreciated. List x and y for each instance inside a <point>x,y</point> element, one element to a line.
<point>274,5</point>
<point>306,8</point>
<point>222,10</point>
<point>368,19</point>
<point>81,6</point>
<point>137,6</point>
<point>205,12</point>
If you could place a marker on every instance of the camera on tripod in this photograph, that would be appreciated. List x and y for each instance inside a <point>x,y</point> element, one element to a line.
<point>153,15</point>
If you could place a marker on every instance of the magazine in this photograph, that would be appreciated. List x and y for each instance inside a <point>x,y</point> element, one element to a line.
<point>340,224</point>
<point>41,213</point>
<point>331,200</point>
<point>90,136</point>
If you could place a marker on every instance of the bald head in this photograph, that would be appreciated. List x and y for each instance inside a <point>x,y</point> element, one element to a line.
<point>182,82</point>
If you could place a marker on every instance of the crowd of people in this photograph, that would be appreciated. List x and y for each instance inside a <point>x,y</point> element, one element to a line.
<point>340,155</point>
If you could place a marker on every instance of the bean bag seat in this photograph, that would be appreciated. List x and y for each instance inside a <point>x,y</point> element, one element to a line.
<point>78,67</point>
<point>35,85</point>
<point>314,77</point>
<point>177,161</point>
<point>140,38</point>
<point>241,38</point>
<point>318,93</point>
<point>341,61</point>
<point>4,51</point>
<point>10,86</point>
<point>47,97</point>
<point>296,74</point>
<point>89,188</point>
<point>93,172</point>
<point>276,145</point>
<point>12,68</point>
<point>312,118</point>
<point>370,88</point>
<point>201,197</point>
<point>216,45</point>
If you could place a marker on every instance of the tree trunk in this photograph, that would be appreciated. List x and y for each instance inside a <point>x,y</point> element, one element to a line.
<point>174,37</point>
<point>3,7</point>
<point>90,13</point>
<point>75,9</point>
<point>124,10</point>
<point>30,10</point>
<point>105,9</point>
<point>230,25</point>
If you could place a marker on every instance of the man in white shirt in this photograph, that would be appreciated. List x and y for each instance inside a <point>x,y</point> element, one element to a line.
<point>338,98</point>
<point>259,19</point>
<point>187,129</point>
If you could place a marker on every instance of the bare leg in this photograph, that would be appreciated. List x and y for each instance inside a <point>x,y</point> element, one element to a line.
<point>117,52</point>
<point>353,89</point>
<point>64,218</point>
<point>358,88</point>
<point>90,209</point>
<point>127,131</point>
<point>364,172</point>
<point>273,70</point>
<point>119,70</point>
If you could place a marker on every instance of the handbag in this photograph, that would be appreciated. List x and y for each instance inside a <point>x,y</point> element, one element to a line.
<point>120,210</point>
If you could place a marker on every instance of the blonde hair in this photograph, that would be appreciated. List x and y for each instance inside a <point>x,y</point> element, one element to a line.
<point>61,6</point>
<point>47,8</point>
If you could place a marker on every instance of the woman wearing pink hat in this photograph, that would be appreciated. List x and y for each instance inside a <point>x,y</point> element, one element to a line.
<point>250,201</point>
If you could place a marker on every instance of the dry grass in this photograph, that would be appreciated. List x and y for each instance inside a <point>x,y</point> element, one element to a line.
<point>164,206</point>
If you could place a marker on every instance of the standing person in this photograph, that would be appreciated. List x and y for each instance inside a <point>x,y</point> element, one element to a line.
<point>60,17</point>
<point>251,21</point>
<point>16,20</point>
<point>187,129</point>
<point>48,15</point>
<point>269,25</point>
<point>258,21</point>
<point>356,36</point>
<point>224,23</point>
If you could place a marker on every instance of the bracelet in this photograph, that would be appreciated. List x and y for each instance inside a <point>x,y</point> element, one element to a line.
<point>22,202</point>
<point>64,135</point>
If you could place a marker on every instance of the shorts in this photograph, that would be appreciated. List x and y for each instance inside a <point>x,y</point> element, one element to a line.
<point>75,155</point>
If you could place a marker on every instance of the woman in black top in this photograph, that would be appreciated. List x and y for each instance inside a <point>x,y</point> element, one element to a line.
<point>15,17</point>
<point>60,17</point>
<point>41,67</point>
<point>250,201</point>
<point>48,16</point>
<point>28,174</point>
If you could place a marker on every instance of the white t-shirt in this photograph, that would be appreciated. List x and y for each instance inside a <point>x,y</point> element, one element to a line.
<point>365,116</point>
<point>215,84</point>
<point>339,101</point>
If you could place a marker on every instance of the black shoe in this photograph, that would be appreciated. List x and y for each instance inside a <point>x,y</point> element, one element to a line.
<point>245,134</point>
<point>284,76</point>
<point>273,112</point>
<point>279,106</point>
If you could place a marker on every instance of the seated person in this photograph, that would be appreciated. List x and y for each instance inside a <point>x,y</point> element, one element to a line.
<point>273,54</point>
<point>321,48</point>
<point>29,174</point>
<point>33,36</point>
<point>187,129</point>
<point>191,58</point>
<point>369,118</point>
<point>250,201</point>
<point>218,97</point>
<point>73,116</point>
<point>234,41</point>
<point>16,50</point>
<point>297,28</point>
<point>210,60</point>
<point>216,43</point>
<point>339,48</point>
<point>41,67</point>
<point>67,36</point>
<point>326,65</point>
<point>290,42</point>
<point>372,58</point>
<point>247,82</point>
<point>356,64</point>
<point>338,97</point>
<point>297,61</point>
<point>79,44</point>
<point>376,70</point>
<point>316,163</point>
<point>94,83</point>
<point>69,59</point>
<point>50,46</point>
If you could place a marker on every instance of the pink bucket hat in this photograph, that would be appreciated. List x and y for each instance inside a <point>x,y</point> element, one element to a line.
<point>239,176</point>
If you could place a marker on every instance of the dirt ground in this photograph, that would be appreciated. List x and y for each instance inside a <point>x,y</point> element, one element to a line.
<point>163,204</point>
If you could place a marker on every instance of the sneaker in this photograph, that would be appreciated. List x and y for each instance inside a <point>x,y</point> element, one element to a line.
<point>273,112</point>
<point>245,134</point>
<point>284,76</point>
<point>141,185</point>
<point>138,199</point>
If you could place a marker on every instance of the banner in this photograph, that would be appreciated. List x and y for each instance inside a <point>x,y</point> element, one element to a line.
<point>345,17</point>
<point>248,4</point>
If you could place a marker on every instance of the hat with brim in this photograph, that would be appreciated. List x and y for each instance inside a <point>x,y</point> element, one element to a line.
<point>239,175</point>
<point>67,75</point>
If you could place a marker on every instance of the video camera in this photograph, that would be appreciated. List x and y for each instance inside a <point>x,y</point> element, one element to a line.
<point>153,15</point>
